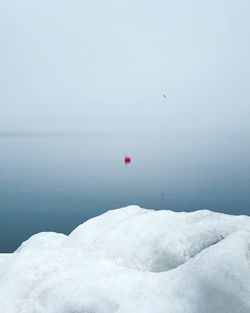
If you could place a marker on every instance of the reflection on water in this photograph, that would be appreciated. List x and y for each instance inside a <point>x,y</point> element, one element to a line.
<point>55,182</point>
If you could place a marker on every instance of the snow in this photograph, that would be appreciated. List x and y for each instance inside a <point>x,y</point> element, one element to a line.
<point>133,260</point>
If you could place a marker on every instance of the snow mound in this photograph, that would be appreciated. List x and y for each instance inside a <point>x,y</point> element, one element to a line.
<point>133,260</point>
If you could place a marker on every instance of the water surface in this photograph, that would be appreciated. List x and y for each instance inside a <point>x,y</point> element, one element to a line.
<point>54,182</point>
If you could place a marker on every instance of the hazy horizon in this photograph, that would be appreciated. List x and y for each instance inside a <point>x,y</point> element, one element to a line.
<point>104,66</point>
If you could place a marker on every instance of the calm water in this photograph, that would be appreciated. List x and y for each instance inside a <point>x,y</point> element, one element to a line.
<point>55,182</point>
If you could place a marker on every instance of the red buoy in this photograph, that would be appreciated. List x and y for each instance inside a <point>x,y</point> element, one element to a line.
<point>127,159</point>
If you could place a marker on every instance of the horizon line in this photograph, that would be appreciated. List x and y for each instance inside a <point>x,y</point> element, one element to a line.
<point>9,133</point>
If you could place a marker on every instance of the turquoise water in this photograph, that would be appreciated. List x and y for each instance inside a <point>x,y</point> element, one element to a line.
<point>55,182</point>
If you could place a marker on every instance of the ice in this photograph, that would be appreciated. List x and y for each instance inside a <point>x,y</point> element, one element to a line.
<point>133,260</point>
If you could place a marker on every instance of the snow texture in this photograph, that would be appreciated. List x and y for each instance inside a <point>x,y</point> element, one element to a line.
<point>133,260</point>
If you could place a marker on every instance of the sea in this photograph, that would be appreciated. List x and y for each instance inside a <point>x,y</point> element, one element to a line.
<point>56,181</point>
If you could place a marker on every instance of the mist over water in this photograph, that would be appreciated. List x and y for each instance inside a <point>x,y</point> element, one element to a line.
<point>152,69</point>
<point>54,182</point>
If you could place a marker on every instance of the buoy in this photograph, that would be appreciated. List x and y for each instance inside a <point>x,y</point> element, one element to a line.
<point>127,159</point>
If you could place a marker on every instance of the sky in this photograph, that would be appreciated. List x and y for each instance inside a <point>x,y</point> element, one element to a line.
<point>103,66</point>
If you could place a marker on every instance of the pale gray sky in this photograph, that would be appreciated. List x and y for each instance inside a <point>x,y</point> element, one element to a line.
<point>103,66</point>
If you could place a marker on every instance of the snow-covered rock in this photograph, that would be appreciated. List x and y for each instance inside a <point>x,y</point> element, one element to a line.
<point>133,260</point>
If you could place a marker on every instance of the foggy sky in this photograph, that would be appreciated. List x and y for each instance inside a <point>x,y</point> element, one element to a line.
<point>101,66</point>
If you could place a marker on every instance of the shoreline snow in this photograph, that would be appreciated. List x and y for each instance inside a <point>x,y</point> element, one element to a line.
<point>133,260</point>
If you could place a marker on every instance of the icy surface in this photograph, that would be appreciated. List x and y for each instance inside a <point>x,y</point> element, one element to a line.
<point>133,260</point>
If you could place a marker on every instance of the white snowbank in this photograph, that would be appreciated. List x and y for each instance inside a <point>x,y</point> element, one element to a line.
<point>133,260</point>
